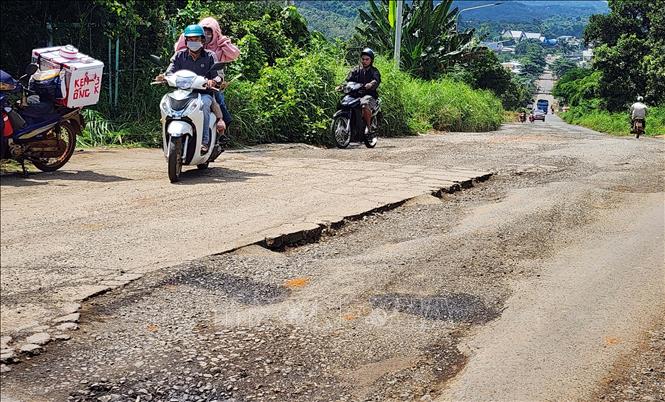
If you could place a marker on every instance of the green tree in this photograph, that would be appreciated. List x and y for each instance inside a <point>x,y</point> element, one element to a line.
<point>577,86</point>
<point>430,44</point>
<point>630,43</point>
<point>562,65</point>
<point>484,71</point>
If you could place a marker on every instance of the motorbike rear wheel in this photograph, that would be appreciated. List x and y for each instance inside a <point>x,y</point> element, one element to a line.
<point>175,159</point>
<point>340,131</point>
<point>66,132</point>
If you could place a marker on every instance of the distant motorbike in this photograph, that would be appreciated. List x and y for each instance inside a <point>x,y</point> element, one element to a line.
<point>182,122</point>
<point>638,127</point>
<point>41,132</point>
<point>348,124</point>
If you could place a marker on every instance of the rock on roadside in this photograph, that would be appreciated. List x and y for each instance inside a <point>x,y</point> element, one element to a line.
<point>40,338</point>
<point>31,349</point>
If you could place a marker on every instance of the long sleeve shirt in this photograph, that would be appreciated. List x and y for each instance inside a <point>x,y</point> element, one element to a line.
<point>365,76</point>
<point>182,60</point>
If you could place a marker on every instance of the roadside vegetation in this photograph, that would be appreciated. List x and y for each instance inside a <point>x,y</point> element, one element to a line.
<point>628,61</point>
<point>615,123</point>
<point>288,74</point>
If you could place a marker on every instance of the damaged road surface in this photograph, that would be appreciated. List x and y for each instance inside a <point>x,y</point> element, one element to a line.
<point>533,285</point>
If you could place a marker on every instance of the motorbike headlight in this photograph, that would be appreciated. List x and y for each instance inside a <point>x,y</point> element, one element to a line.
<point>184,82</point>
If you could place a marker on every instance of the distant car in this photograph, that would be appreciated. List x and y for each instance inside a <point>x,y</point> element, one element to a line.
<point>537,115</point>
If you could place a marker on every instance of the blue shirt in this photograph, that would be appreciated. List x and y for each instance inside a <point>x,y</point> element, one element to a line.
<point>182,60</point>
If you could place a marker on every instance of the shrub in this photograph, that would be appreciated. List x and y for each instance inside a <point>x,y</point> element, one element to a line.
<point>252,57</point>
<point>294,100</point>
<point>442,104</point>
<point>613,123</point>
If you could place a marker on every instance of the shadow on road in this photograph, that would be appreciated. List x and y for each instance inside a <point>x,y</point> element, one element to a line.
<point>16,179</point>
<point>216,175</point>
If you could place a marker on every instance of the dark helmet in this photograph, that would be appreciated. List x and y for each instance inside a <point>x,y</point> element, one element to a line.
<point>367,52</point>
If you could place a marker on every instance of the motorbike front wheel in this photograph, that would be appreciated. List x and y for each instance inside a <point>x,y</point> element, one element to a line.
<point>341,131</point>
<point>65,134</point>
<point>371,137</point>
<point>175,159</point>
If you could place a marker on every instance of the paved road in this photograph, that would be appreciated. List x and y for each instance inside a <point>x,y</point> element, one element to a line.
<point>545,85</point>
<point>533,285</point>
<point>111,216</point>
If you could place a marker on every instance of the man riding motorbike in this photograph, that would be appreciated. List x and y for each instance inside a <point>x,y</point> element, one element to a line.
<point>199,61</point>
<point>370,77</point>
<point>638,112</point>
<point>224,50</point>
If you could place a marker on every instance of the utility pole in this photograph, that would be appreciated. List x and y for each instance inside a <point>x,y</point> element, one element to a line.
<point>398,32</point>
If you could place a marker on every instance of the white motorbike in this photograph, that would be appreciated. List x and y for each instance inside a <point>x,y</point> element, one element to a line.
<point>182,122</point>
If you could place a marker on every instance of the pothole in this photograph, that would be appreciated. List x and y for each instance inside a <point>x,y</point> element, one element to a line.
<point>456,307</point>
<point>242,289</point>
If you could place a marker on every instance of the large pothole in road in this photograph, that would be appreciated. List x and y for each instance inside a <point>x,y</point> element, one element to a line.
<point>241,289</point>
<point>455,307</point>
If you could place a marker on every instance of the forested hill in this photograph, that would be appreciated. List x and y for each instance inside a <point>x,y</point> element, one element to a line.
<point>337,18</point>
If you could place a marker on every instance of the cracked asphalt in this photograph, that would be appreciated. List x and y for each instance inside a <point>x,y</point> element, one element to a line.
<point>541,283</point>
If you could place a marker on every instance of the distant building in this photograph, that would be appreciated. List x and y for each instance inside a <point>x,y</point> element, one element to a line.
<point>534,36</point>
<point>517,36</point>
<point>513,66</point>
<point>508,49</point>
<point>493,46</point>
<point>569,40</point>
<point>587,55</point>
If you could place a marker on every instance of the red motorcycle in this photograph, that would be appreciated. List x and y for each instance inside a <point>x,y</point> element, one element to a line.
<point>41,132</point>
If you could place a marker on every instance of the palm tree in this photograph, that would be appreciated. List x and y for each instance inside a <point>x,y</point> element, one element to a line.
<point>430,41</point>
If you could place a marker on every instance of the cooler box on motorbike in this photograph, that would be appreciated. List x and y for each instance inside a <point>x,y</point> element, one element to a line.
<point>83,74</point>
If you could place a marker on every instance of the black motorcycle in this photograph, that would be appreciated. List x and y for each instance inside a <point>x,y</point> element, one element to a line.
<point>348,124</point>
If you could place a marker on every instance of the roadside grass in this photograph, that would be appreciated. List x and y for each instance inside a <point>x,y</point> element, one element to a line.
<point>615,123</point>
<point>124,132</point>
<point>420,106</point>
<point>511,116</point>
<point>294,101</point>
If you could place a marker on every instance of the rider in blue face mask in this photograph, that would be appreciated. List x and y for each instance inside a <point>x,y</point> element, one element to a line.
<point>199,60</point>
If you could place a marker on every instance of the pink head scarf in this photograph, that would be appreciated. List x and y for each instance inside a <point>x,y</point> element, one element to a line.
<point>221,45</point>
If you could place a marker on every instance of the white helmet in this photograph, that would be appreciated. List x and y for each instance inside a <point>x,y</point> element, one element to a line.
<point>640,99</point>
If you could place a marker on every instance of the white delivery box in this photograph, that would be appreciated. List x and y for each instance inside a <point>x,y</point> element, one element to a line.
<point>83,74</point>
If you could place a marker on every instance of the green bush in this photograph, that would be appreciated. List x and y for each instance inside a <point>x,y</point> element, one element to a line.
<point>252,57</point>
<point>294,100</point>
<point>443,104</point>
<point>613,123</point>
<point>577,86</point>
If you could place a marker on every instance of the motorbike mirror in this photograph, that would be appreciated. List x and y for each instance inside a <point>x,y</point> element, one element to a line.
<point>31,69</point>
<point>156,59</point>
